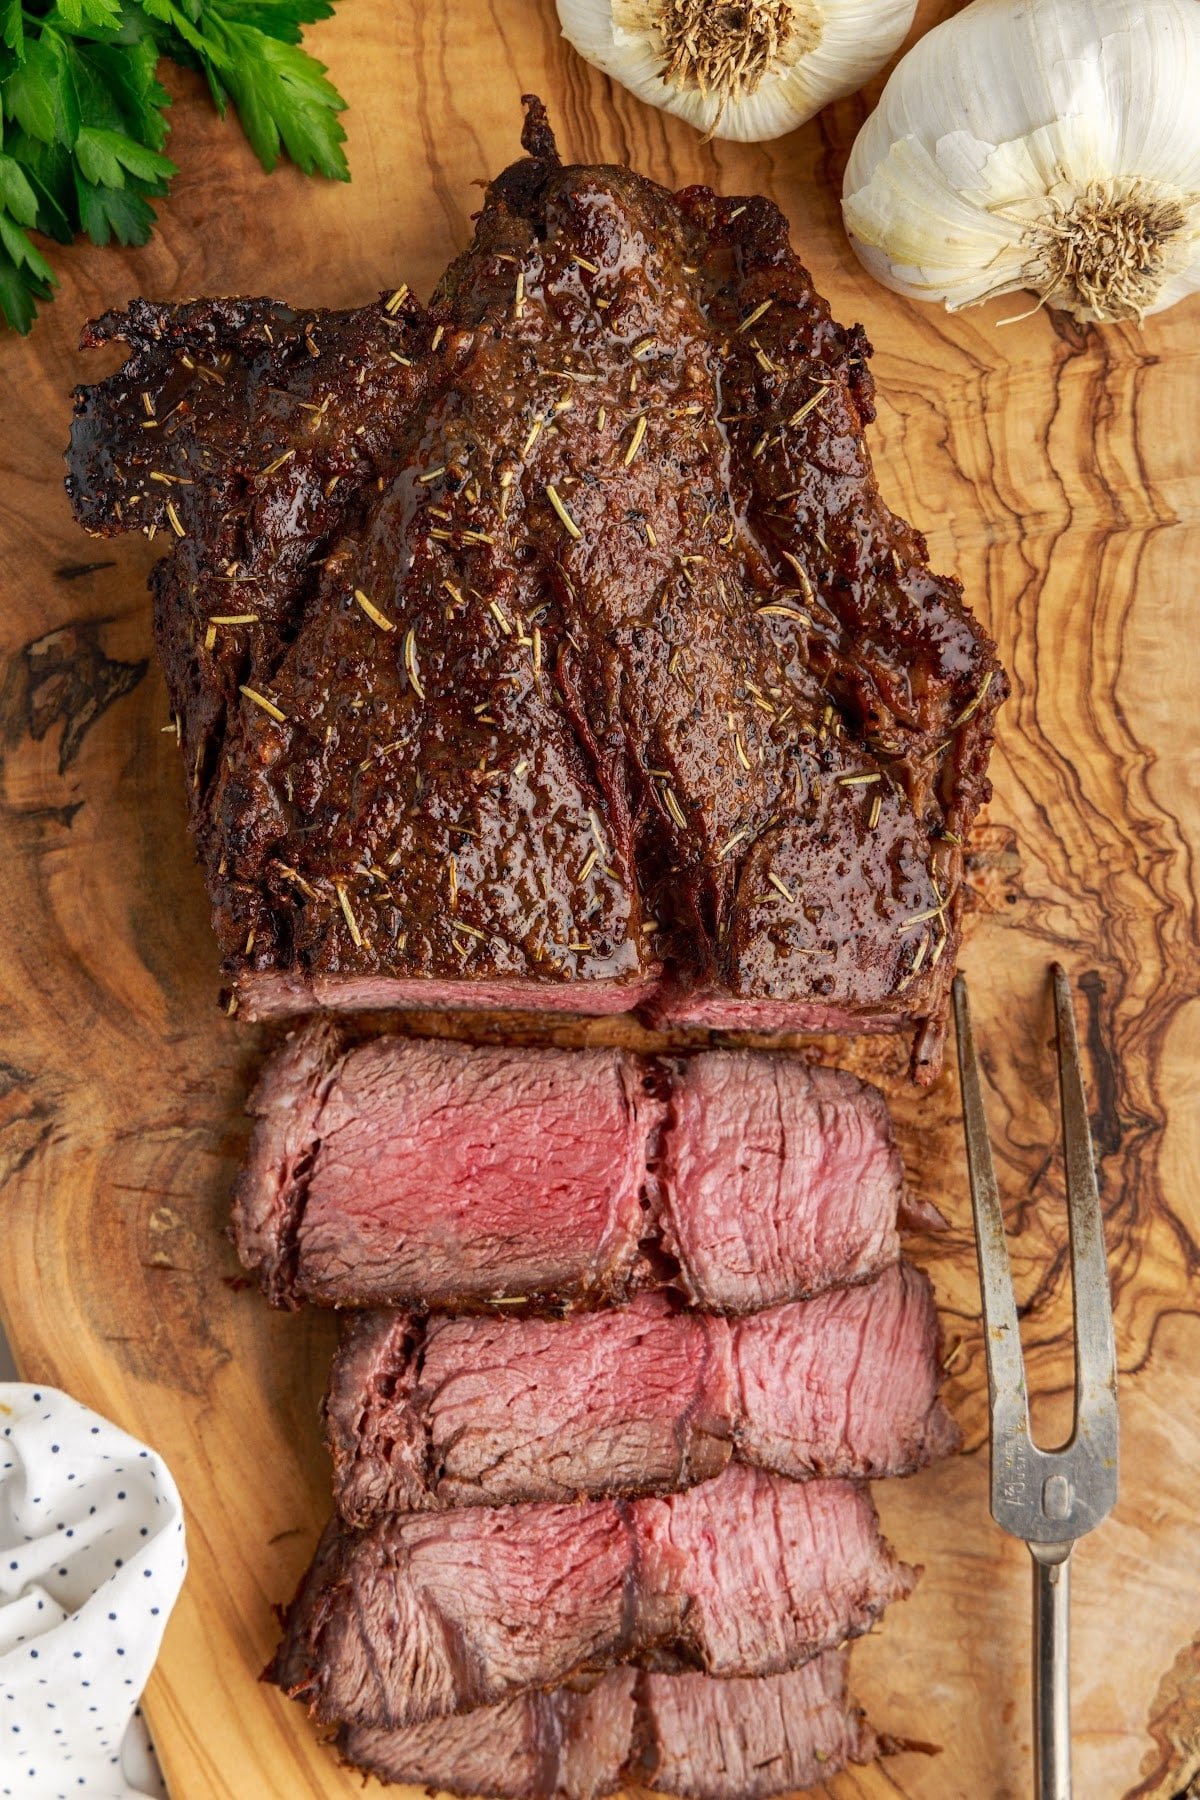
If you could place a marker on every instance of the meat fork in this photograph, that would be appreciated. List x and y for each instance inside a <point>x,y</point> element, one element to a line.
<point>1047,1497</point>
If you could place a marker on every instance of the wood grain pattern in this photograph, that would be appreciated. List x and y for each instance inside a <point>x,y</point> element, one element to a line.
<point>1054,468</point>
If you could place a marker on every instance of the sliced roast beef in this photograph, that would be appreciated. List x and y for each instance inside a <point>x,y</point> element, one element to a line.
<point>777,1179</point>
<point>847,1383</point>
<point>435,1413</point>
<point>747,1740</point>
<point>752,1575</point>
<point>424,1615</point>
<point>682,1734</point>
<point>485,1411</point>
<point>422,1170</point>
<point>501,681</point>
<point>416,1171</point>
<point>561,1745</point>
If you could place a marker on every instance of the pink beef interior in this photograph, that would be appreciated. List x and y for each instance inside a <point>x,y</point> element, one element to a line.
<point>415,1172</point>
<point>269,1193</point>
<point>847,1383</point>
<point>594,1735</point>
<point>435,1614</point>
<point>634,1400</point>
<point>451,1171</point>
<point>485,1411</point>
<point>427,1616</point>
<point>607,1402</point>
<point>271,995</point>
<point>772,1571</point>
<point>679,1734</point>
<point>777,1179</point>
<point>725,1012</point>
<point>747,1740</point>
<point>560,1745</point>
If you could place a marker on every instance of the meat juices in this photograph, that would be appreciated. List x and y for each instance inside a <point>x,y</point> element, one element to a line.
<point>551,646</point>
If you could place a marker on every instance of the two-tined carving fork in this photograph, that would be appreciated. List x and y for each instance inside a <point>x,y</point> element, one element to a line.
<point>1047,1497</point>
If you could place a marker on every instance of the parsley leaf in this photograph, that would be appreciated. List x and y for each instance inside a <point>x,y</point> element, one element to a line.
<point>249,50</point>
<point>282,19</point>
<point>108,212</point>
<point>281,94</point>
<point>12,25</point>
<point>25,275</point>
<point>104,157</point>
<point>40,93</point>
<point>16,195</point>
<point>100,13</point>
<point>184,35</point>
<point>83,116</point>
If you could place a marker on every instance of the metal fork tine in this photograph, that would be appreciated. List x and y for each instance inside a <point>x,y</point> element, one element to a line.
<point>1048,1497</point>
<point>1095,1346</point>
<point>1002,1337</point>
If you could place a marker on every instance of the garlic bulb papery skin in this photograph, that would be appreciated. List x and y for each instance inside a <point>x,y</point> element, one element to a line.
<point>1049,145</point>
<point>745,69</point>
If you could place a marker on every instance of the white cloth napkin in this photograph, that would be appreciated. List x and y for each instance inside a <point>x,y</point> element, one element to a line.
<point>92,1557</point>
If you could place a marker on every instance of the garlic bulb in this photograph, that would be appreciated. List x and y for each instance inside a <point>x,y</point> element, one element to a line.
<point>748,69</point>
<point>1044,144</point>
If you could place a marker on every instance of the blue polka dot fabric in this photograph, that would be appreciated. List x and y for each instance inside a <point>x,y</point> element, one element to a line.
<point>92,1556</point>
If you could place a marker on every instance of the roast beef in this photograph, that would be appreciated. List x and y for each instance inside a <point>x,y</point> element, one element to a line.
<point>776,1178</point>
<point>410,1169</point>
<point>414,1171</point>
<point>435,1413</point>
<point>845,1384</point>
<point>683,1734</point>
<point>559,1745</point>
<point>745,1740</point>
<point>423,1615</point>
<point>551,645</point>
<point>484,1411</point>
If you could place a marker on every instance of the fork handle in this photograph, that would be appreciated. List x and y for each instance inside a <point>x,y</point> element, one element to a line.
<point>1052,1670</point>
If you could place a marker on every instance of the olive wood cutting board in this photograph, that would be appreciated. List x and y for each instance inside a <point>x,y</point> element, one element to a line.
<point>1054,468</point>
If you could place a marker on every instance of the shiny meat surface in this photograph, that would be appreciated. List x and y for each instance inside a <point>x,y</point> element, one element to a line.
<point>550,645</point>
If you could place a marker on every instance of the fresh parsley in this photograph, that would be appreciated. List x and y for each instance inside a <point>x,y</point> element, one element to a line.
<point>83,116</point>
